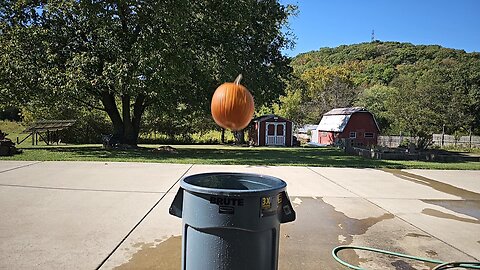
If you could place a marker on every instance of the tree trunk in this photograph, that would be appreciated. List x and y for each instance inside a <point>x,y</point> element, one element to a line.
<point>108,101</point>
<point>223,136</point>
<point>126,127</point>
<point>240,137</point>
<point>138,110</point>
<point>129,135</point>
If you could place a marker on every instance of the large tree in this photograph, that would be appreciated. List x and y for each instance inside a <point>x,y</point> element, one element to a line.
<point>125,56</point>
<point>431,99</point>
<point>316,91</point>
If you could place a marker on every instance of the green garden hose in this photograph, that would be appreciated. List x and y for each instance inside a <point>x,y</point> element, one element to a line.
<point>441,265</point>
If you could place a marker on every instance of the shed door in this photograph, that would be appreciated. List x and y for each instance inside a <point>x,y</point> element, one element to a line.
<point>280,136</point>
<point>275,133</point>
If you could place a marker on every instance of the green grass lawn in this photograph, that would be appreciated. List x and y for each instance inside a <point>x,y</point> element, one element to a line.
<point>214,154</point>
<point>13,129</point>
<point>231,155</point>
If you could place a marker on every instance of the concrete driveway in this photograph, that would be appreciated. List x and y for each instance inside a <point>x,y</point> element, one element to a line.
<point>95,215</point>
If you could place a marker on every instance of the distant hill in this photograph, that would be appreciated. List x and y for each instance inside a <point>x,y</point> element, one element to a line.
<point>414,89</point>
<point>379,61</point>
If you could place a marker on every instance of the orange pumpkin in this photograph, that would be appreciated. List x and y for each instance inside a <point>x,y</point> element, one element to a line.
<point>232,105</point>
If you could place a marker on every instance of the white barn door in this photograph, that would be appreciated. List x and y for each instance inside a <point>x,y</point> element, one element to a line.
<point>275,133</point>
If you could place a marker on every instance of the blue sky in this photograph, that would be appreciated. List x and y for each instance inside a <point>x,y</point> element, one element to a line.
<point>330,23</point>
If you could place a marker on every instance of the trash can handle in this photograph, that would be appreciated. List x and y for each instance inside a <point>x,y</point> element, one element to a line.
<point>287,213</point>
<point>176,208</point>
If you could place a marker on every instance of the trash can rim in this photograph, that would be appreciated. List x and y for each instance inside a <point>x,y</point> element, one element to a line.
<point>269,184</point>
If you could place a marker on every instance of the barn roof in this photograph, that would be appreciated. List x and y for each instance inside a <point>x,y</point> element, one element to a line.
<point>337,119</point>
<point>335,123</point>
<point>346,111</point>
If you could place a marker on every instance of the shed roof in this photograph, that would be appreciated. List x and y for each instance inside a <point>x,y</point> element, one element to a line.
<point>49,125</point>
<point>268,116</point>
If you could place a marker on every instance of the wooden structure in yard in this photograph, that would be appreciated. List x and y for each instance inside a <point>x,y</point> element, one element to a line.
<point>46,130</point>
<point>355,123</point>
<point>271,130</point>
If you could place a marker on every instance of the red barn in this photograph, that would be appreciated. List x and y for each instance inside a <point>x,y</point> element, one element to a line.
<point>355,123</point>
<point>271,130</point>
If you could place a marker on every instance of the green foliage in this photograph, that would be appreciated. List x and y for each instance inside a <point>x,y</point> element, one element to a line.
<point>411,89</point>
<point>315,92</point>
<point>12,128</point>
<point>291,106</point>
<point>88,128</point>
<point>264,109</point>
<point>10,113</point>
<point>431,97</point>
<point>377,100</point>
<point>206,137</point>
<point>405,143</point>
<point>129,57</point>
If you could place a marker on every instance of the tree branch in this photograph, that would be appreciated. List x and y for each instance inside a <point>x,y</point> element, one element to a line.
<point>122,12</point>
<point>89,105</point>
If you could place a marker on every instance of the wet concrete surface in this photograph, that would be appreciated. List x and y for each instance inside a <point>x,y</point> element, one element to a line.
<point>440,214</point>
<point>437,185</point>
<point>307,243</point>
<point>326,222</point>
<point>417,235</point>
<point>166,255</point>
<point>402,265</point>
<point>469,208</point>
<point>304,244</point>
<point>466,179</point>
<point>93,208</point>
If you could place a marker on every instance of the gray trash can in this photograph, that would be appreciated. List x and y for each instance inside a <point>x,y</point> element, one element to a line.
<point>231,221</point>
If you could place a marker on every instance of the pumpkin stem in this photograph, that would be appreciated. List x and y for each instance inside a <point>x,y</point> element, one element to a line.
<point>238,79</point>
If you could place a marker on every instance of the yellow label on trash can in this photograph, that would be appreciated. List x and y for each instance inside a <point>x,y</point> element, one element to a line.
<point>266,203</point>
<point>267,208</point>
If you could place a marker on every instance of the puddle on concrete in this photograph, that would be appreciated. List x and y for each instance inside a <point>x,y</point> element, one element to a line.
<point>304,244</point>
<point>437,185</point>
<point>402,265</point>
<point>417,235</point>
<point>431,253</point>
<point>307,243</point>
<point>469,208</point>
<point>166,255</point>
<point>440,214</point>
<point>470,205</point>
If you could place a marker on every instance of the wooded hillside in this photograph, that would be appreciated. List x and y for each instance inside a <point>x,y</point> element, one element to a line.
<point>413,89</point>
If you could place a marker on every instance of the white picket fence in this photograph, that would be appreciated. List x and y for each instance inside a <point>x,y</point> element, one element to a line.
<point>438,140</point>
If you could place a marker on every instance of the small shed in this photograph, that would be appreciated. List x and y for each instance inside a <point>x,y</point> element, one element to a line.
<point>355,123</point>
<point>271,130</point>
